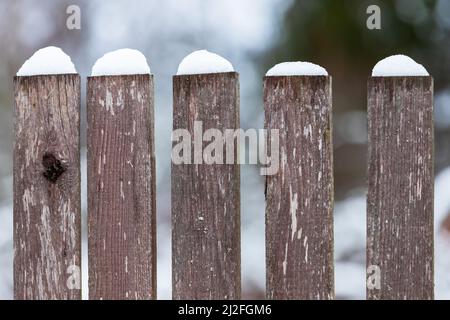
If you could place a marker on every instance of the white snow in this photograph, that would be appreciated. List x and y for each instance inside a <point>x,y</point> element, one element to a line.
<point>297,68</point>
<point>121,62</point>
<point>442,264</point>
<point>441,199</point>
<point>49,60</point>
<point>203,61</point>
<point>350,280</point>
<point>397,66</point>
<point>349,223</point>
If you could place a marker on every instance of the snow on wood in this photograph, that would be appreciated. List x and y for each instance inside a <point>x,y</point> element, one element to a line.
<point>203,61</point>
<point>121,62</point>
<point>398,66</point>
<point>49,60</point>
<point>297,68</point>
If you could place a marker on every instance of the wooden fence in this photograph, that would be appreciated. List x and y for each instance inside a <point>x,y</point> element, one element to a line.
<point>206,197</point>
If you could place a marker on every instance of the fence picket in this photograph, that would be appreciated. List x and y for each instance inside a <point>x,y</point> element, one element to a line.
<point>121,187</point>
<point>400,181</point>
<point>206,197</point>
<point>46,174</point>
<point>299,198</point>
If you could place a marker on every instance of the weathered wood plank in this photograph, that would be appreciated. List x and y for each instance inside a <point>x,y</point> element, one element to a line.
<point>299,198</point>
<point>400,181</point>
<point>121,187</point>
<point>205,197</point>
<point>47,220</point>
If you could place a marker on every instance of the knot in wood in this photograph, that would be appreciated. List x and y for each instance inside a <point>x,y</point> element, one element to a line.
<point>54,168</point>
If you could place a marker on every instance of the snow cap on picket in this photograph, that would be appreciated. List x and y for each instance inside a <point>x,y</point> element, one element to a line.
<point>49,60</point>
<point>203,61</point>
<point>397,66</point>
<point>297,68</point>
<point>121,62</point>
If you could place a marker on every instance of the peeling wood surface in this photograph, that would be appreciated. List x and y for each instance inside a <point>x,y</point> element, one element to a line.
<point>299,198</point>
<point>121,187</point>
<point>400,179</point>
<point>205,197</point>
<point>47,220</point>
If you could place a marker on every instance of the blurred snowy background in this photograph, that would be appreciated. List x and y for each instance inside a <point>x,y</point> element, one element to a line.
<point>253,35</point>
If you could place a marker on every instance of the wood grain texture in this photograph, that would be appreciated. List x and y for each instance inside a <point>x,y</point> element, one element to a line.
<point>299,198</point>
<point>205,197</point>
<point>400,181</point>
<point>121,188</point>
<point>47,220</point>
